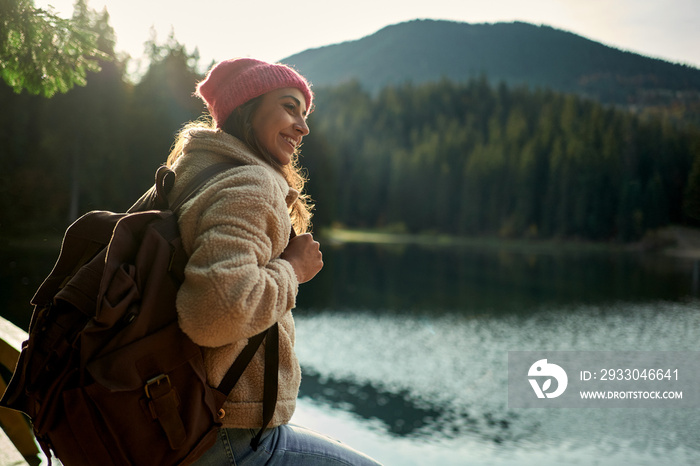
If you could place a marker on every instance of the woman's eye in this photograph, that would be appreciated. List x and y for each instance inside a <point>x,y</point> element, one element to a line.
<point>290,106</point>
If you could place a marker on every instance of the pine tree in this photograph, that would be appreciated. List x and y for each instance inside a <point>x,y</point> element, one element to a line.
<point>43,53</point>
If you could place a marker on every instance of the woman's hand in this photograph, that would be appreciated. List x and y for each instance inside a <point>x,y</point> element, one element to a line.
<point>305,256</point>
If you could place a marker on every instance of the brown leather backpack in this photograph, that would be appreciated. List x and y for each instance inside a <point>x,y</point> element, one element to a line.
<point>107,377</point>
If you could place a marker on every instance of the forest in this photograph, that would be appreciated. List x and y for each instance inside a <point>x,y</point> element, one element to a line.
<point>461,158</point>
<point>468,159</point>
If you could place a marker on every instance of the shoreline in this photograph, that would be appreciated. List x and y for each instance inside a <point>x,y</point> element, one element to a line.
<point>676,241</point>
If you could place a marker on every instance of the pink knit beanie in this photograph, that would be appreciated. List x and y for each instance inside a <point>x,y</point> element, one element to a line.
<point>231,83</point>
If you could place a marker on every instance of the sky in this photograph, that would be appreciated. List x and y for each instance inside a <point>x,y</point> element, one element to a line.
<point>271,30</point>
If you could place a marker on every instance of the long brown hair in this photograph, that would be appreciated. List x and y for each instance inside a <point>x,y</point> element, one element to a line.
<point>240,125</point>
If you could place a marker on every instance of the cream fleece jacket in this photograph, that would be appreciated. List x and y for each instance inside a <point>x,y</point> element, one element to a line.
<point>236,285</point>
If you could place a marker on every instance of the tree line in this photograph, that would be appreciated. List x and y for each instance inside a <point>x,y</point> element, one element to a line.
<point>471,159</point>
<point>93,147</point>
<point>457,158</point>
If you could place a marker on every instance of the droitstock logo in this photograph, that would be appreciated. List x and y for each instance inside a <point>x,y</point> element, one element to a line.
<point>545,372</point>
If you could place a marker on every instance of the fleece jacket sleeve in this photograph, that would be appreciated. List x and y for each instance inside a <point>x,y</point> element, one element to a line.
<point>235,283</point>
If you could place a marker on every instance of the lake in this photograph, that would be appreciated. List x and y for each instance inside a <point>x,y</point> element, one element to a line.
<point>405,348</point>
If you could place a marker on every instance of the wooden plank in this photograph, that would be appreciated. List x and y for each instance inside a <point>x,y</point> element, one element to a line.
<point>15,425</point>
<point>9,456</point>
<point>13,422</point>
<point>11,338</point>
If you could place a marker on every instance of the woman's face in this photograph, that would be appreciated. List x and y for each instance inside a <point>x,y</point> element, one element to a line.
<point>279,123</point>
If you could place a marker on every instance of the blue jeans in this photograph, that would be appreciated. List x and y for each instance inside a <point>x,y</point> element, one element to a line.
<point>287,445</point>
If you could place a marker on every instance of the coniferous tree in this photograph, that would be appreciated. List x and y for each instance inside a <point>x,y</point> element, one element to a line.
<point>470,159</point>
<point>160,104</point>
<point>43,53</point>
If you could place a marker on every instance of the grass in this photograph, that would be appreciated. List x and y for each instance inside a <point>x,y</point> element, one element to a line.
<point>344,235</point>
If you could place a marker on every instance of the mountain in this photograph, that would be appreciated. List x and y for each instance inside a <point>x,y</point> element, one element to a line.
<point>515,53</point>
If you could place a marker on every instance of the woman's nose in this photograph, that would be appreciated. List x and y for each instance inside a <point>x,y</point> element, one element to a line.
<point>302,127</point>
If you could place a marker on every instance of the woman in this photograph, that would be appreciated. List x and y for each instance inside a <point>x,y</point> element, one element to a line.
<point>244,270</point>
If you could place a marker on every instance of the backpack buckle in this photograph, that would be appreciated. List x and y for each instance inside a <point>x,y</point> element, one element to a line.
<point>157,380</point>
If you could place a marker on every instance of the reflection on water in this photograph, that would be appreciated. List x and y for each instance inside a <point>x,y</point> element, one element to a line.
<point>404,349</point>
<point>401,415</point>
<point>408,277</point>
<point>443,380</point>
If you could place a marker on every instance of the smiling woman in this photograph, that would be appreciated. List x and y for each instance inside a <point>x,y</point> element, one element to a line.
<point>280,123</point>
<point>246,260</point>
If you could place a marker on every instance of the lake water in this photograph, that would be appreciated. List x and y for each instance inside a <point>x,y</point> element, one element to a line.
<point>405,349</point>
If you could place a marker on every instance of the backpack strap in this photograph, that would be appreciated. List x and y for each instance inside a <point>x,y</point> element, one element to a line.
<point>196,183</point>
<point>236,370</point>
<point>270,383</point>
<point>270,380</point>
<point>157,196</point>
<point>234,373</point>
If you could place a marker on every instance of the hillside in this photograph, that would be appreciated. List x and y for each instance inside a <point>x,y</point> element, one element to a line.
<point>515,53</point>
